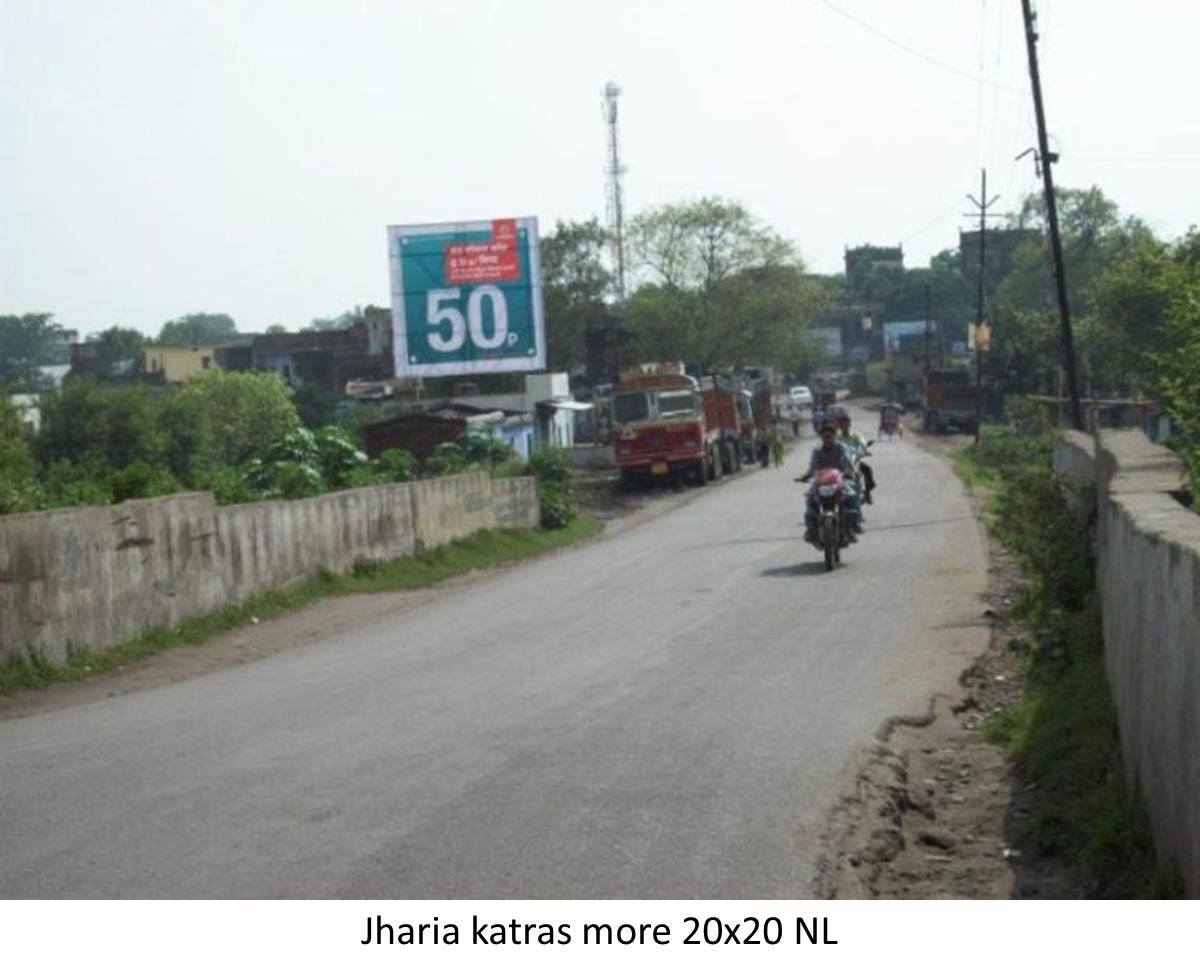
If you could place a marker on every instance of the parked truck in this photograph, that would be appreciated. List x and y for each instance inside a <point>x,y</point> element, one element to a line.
<point>950,401</point>
<point>723,411</point>
<point>660,426</point>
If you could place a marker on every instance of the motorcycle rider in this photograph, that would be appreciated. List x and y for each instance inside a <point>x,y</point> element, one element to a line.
<point>829,455</point>
<point>858,445</point>
<point>818,418</point>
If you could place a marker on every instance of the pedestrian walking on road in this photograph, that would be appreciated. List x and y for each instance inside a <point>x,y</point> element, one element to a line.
<point>777,447</point>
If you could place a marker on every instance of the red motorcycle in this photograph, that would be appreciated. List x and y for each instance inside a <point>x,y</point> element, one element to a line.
<point>829,492</point>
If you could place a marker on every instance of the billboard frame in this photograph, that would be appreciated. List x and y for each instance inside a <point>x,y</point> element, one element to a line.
<point>402,366</point>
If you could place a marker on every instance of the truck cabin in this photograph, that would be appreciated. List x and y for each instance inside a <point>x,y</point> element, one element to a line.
<point>645,403</point>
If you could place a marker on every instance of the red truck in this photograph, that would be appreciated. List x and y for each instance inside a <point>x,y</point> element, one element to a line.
<point>950,401</point>
<point>660,426</point>
<point>726,410</point>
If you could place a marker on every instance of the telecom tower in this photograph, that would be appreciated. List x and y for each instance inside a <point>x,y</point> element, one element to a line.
<point>615,204</point>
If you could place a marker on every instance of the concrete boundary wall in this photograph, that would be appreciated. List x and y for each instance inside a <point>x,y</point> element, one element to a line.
<point>94,577</point>
<point>1148,573</point>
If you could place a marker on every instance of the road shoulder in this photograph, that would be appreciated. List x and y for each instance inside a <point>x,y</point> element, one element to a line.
<point>934,807</point>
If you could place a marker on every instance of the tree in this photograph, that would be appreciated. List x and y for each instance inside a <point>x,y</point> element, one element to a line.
<point>27,342</point>
<point>276,328</point>
<point>119,351</point>
<point>697,244</point>
<point>195,329</point>
<point>97,427</point>
<point>575,282</point>
<point>1109,263</point>
<point>720,288</point>
<point>15,460</point>
<point>246,412</point>
<point>343,321</point>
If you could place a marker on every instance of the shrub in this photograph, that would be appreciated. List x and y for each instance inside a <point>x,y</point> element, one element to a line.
<point>139,480</point>
<point>396,465</point>
<point>555,486</point>
<point>446,458</point>
<point>485,449</point>
<point>557,503</point>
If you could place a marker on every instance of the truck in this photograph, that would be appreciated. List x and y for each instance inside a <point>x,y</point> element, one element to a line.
<point>950,401</point>
<point>660,427</point>
<point>724,411</point>
<point>762,406</point>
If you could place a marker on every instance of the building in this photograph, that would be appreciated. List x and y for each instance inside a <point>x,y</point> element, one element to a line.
<point>854,324</point>
<point>420,433</point>
<point>911,336</point>
<point>547,397</point>
<point>174,365</point>
<point>867,258</point>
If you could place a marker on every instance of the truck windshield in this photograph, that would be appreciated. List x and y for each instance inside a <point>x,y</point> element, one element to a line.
<point>630,406</point>
<point>676,403</point>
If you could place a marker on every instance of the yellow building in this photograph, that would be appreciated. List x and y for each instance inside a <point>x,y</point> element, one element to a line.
<point>177,364</point>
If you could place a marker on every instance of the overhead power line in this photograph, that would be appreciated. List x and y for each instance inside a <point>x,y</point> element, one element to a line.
<point>928,59</point>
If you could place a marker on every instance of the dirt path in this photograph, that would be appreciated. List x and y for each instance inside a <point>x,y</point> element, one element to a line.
<point>934,811</point>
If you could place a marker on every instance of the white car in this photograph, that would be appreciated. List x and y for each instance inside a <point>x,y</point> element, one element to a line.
<point>801,396</point>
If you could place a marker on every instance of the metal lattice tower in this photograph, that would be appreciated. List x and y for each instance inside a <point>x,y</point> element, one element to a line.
<point>614,200</point>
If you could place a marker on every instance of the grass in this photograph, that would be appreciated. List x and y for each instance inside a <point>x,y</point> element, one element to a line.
<point>1063,734</point>
<point>483,549</point>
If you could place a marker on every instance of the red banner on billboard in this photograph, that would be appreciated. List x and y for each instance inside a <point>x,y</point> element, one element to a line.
<point>495,260</point>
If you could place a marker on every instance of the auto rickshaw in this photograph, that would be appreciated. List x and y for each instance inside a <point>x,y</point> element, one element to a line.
<point>890,423</point>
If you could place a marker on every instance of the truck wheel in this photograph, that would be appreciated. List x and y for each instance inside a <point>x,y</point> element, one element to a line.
<point>700,470</point>
<point>718,467</point>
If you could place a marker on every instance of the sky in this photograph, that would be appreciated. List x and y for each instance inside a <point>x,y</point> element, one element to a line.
<point>167,156</point>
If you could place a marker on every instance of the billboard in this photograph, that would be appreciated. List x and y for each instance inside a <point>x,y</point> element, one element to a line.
<point>467,297</point>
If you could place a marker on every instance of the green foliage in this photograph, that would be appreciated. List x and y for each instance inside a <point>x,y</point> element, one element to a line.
<point>227,484</point>
<point>446,458</point>
<point>317,406</point>
<point>343,321</point>
<point>303,463</point>
<point>101,426</point>
<point>139,480</point>
<point>195,329</point>
<point>67,483</point>
<point>28,341</point>
<point>1111,268</point>
<point>722,288</point>
<point>1180,378</point>
<point>119,351</point>
<point>244,412</point>
<point>485,449</point>
<point>557,497</point>
<point>16,462</point>
<point>396,465</point>
<point>338,455</point>
<point>575,283</point>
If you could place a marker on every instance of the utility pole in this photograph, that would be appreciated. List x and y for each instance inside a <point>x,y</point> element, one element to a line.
<point>982,204</point>
<point>928,328</point>
<point>1047,159</point>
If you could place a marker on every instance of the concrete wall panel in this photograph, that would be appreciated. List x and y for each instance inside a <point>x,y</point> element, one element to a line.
<point>94,577</point>
<point>1148,572</point>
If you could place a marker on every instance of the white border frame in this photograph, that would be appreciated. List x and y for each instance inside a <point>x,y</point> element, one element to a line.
<point>403,369</point>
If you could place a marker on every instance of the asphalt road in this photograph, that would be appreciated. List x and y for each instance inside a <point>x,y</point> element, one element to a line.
<point>670,711</point>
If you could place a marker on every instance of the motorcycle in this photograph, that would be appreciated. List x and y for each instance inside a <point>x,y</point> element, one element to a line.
<point>833,496</point>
